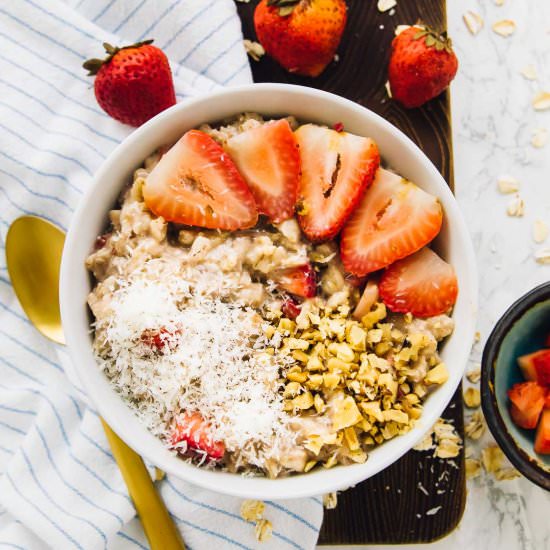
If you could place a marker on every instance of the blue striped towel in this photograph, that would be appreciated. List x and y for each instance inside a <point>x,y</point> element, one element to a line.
<point>59,484</point>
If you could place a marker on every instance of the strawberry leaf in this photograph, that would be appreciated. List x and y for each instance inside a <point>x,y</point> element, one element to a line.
<point>93,65</point>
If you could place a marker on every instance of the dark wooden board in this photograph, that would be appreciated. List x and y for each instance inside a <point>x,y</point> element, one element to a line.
<point>390,507</point>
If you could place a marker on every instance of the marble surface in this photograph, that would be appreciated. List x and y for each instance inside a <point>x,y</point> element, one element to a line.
<point>493,121</point>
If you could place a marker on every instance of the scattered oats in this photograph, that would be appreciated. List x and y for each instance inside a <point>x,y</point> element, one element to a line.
<point>388,88</point>
<point>505,27</point>
<point>433,511</point>
<point>516,207</point>
<point>507,184</point>
<point>159,474</point>
<point>447,448</point>
<point>542,256</point>
<point>474,374</point>
<point>540,231</point>
<point>491,458</point>
<point>400,28</point>
<point>392,12</point>
<point>263,530</point>
<point>473,468</point>
<point>422,488</point>
<point>473,21</point>
<point>499,2</point>
<point>475,427</point>
<point>506,474</point>
<point>541,102</point>
<point>539,138</point>
<point>529,72</point>
<point>426,443</point>
<point>254,49</point>
<point>252,510</point>
<point>330,501</point>
<point>386,5</point>
<point>477,336</point>
<point>472,398</point>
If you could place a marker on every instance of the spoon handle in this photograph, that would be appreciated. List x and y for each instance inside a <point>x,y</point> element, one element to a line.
<point>158,526</point>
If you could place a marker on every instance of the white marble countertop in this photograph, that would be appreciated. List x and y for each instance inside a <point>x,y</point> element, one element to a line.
<point>493,121</point>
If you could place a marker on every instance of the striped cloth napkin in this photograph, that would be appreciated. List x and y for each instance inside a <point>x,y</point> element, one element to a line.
<point>59,484</point>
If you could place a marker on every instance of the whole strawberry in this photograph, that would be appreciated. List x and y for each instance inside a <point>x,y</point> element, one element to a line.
<point>422,65</point>
<point>301,35</point>
<point>133,83</point>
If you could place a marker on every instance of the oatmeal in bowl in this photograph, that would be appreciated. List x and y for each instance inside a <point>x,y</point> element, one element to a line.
<point>265,300</point>
<point>269,305</point>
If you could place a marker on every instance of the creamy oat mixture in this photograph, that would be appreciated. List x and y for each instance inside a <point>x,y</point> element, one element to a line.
<point>189,320</point>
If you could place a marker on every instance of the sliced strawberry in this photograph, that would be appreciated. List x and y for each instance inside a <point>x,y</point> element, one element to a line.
<point>191,428</point>
<point>196,183</point>
<point>394,219</point>
<point>300,281</point>
<point>337,167</point>
<point>291,309</point>
<point>542,437</point>
<point>536,366</point>
<point>422,284</point>
<point>527,402</point>
<point>269,161</point>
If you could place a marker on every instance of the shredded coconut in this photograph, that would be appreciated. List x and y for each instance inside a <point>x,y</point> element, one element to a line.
<point>211,361</point>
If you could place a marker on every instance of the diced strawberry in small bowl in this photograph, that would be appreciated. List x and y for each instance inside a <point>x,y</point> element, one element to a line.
<point>515,394</point>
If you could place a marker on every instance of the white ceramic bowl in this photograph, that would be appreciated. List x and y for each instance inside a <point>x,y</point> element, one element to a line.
<point>273,100</point>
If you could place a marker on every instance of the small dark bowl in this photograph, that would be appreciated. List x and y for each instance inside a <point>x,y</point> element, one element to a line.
<point>522,329</point>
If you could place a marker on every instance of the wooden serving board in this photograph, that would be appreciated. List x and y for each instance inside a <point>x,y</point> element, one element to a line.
<point>392,506</point>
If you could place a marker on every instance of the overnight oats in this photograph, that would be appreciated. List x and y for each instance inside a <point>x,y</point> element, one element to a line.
<point>265,300</point>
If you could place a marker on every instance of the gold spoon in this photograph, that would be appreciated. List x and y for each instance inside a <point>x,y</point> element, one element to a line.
<point>33,253</point>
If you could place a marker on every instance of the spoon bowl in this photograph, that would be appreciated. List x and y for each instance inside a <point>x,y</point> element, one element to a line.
<point>33,251</point>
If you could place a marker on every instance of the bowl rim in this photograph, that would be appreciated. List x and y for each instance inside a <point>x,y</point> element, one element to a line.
<point>517,456</point>
<point>332,479</point>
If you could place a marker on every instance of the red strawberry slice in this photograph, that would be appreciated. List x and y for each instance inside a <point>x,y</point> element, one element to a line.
<point>536,366</point>
<point>191,428</point>
<point>542,437</point>
<point>300,281</point>
<point>291,309</point>
<point>422,284</point>
<point>269,161</point>
<point>337,167</point>
<point>527,402</point>
<point>196,183</point>
<point>394,219</point>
